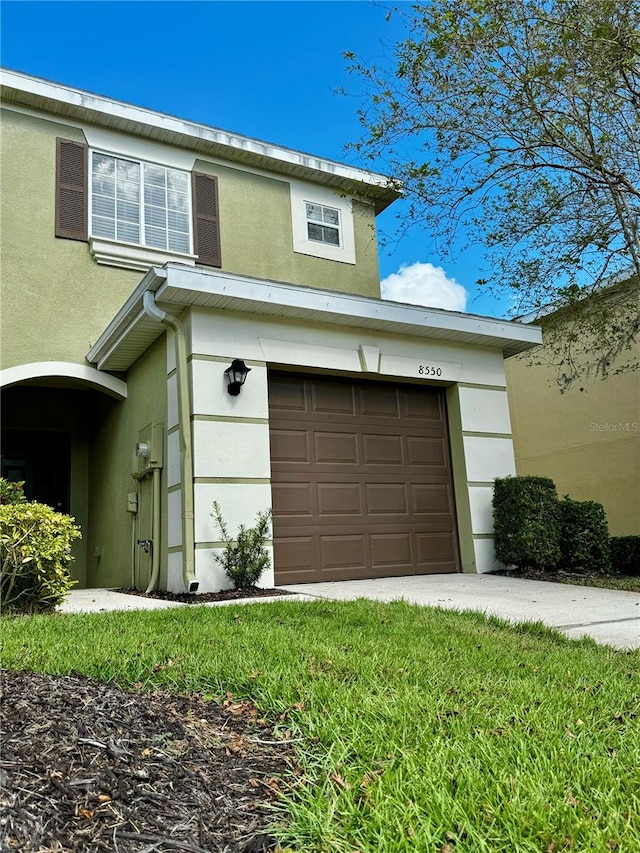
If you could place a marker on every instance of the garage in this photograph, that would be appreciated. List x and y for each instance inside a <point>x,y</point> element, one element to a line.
<point>360,478</point>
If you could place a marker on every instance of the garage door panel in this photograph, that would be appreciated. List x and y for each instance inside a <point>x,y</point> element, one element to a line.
<point>422,450</point>
<point>336,447</point>
<point>380,401</point>
<point>361,480</point>
<point>327,398</point>
<point>382,450</point>
<point>289,446</point>
<point>430,498</point>
<point>339,499</point>
<point>295,553</point>
<point>391,549</point>
<point>344,551</point>
<point>422,407</point>
<point>287,393</point>
<point>387,499</point>
<point>435,547</point>
<point>293,499</point>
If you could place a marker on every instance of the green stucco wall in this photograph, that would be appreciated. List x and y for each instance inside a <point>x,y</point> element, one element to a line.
<point>257,240</point>
<point>116,428</point>
<point>55,298</point>
<point>587,441</point>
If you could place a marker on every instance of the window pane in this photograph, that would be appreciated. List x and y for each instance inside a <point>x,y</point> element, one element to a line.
<point>178,221</point>
<point>156,237</point>
<point>155,216</point>
<point>103,165</point>
<point>128,171</point>
<point>314,211</point>
<point>103,184</point>
<point>103,206</point>
<point>330,216</point>
<point>177,201</point>
<point>128,211</point>
<point>103,227</point>
<point>314,232</point>
<point>178,242</point>
<point>177,180</point>
<point>155,195</point>
<point>154,175</point>
<point>128,232</point>
<point>331,236</point>
<point>323,234</point>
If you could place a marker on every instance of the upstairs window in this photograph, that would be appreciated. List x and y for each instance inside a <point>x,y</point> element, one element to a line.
<point>135,213</point>
<point>323,224</point>
<point>140,203</point>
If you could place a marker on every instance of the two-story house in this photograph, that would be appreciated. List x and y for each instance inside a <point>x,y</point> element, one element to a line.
<point>142,256</point>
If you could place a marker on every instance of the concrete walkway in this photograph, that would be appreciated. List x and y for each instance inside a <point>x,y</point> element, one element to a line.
<point>608,616</point>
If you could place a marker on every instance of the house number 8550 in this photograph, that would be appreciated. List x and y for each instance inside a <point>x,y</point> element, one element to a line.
<point>427,370</point>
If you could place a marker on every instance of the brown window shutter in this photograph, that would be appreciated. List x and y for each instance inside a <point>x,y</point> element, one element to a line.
<point>71,190</point>
<point>206,220</point>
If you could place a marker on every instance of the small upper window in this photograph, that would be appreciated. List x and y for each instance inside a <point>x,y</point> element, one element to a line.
<point>323,224</point>
<point>141,203</point>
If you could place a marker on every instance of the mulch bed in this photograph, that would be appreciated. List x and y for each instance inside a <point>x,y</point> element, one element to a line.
<point>204,597</point>
<point>87,767</point>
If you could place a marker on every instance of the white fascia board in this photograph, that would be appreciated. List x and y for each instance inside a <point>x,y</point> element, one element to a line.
<point>177,287</point>
<point>126,319</point>
<point>391,316</point>
<point>45,94</point>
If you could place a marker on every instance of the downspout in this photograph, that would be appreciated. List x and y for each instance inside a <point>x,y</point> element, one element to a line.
<point>155,527</point>
<point>184,428</point>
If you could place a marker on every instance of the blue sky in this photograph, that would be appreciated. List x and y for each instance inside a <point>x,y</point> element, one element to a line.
<point>264,69</point>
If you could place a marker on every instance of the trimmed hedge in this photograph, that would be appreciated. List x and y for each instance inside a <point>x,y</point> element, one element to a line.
<point>625,555</point>
<point>584,537</point>
<point>526,517</point>
<point>35,554</point>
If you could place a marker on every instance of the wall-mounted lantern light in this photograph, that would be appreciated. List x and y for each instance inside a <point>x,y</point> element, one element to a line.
<point>236,374</point>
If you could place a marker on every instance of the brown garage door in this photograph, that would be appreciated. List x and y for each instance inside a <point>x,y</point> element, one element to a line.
<point>361,480</point>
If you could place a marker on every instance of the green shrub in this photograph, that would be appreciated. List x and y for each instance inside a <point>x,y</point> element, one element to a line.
<point>625,555</point>
<point>526,518</point>
<point>35,554</point>
<point>584,538</point>
<point>10,492</point>
<point>244,558</point>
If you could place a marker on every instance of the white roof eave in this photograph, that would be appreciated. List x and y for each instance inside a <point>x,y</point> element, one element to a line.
<point>45,95</point>
<point>178,287</point>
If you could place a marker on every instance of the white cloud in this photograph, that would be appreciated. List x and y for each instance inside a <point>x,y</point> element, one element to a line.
<point>424,284</point>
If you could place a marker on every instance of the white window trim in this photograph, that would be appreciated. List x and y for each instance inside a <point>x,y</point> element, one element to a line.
<point>135,256</point>
<point>303,193</point>
<point>130,256</point>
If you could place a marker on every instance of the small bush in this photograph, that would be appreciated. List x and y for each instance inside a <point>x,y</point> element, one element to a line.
<point>35,554</point>
<point>526,518</point>
<point>10,492</point>
<point>584,540</point>
<point>625,555</point>
<point>244,558</point>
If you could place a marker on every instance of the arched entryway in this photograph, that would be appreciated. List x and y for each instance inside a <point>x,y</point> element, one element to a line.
<point>50,413</point>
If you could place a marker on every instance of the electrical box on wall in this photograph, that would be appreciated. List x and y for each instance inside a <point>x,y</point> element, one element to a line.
<point>149,449</point>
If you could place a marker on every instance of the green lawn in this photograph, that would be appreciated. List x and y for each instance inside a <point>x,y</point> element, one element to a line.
<point>421,730</point>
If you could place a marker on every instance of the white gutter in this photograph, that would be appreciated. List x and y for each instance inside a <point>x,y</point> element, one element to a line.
<point>186,451</point>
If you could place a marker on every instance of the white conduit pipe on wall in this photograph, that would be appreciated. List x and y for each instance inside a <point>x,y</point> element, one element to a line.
<point>184,427</point>
<point>155,526</point>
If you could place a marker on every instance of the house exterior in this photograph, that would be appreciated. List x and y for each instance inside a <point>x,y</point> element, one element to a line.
<point>142,254</point>
<point>587,440</point>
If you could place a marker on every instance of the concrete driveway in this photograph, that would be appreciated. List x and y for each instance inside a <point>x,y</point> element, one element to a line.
<point>608,616</point>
